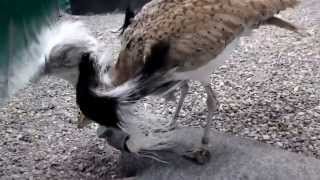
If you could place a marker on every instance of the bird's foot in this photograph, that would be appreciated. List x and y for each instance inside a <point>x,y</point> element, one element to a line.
<point>200,155</point>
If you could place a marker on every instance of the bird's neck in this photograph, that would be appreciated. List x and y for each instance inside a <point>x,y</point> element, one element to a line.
<point>102,110</point>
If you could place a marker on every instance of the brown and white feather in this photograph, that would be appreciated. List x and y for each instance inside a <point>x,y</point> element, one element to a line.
<point>197,30</point>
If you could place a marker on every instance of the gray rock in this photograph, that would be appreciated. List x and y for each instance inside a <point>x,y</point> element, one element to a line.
<point>232,158</point>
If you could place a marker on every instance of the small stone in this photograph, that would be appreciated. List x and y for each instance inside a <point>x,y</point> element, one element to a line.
<point>265,137</point>
<point>279,144</point>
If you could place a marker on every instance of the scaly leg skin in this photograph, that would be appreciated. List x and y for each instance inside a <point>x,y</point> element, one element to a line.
<point>201,155</point>
<point>184,91</point>
<point>173,123</point>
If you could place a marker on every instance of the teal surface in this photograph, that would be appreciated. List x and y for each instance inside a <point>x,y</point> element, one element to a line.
<point>20,24</point>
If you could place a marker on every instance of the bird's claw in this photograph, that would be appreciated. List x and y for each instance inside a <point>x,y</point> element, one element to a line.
<point>200,156</point>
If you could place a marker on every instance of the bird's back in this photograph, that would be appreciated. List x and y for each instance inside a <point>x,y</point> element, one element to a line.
<point>197,30</point>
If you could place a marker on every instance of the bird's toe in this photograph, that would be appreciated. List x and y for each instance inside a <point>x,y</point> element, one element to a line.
<point>200,156</point>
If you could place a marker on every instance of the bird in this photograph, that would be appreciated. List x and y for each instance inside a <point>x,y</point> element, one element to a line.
<point>170,96</point>
<point>184,87</point>
<point>170,41</point>
<point>167,43</point>
<point>129,18</point>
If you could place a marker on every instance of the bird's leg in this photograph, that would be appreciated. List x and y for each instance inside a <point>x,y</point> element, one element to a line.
<point>173,123</point>
<point>212,107</point>
<point>201,154</point>
<point>184,91</point>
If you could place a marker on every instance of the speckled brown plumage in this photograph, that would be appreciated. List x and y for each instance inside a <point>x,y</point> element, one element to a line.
<point>197,31</point>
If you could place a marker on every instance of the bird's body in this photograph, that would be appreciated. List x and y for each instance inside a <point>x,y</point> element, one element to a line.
<point>198,32</point>
<point>170,41</point>
<point>165,44</point>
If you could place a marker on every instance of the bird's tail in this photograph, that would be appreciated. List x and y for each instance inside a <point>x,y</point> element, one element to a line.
<point>275,21</point>
<point>268,8</point>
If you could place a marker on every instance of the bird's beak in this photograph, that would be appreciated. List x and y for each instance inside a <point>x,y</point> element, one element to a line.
<point>115,137</point>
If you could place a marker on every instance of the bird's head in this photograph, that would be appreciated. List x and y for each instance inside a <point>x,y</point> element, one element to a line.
<point>65,54</point>
<point>64,59</point>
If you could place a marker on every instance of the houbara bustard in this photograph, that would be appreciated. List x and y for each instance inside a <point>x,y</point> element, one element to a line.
<point>170,96</point>
<point>167,43</point>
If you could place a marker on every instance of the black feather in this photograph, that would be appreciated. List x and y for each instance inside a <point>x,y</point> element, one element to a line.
<point>152,80</point>
<point>129,15</point>
<point>102,110</point>
<point>157,59</point>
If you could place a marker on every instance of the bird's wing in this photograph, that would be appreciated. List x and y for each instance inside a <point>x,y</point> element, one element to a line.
<point>214,26</point>
<point>197,30</point>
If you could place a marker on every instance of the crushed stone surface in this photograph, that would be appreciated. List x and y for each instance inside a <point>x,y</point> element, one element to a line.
<point>268,89</point>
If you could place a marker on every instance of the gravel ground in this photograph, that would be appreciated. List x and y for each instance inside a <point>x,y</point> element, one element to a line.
<point>268,91</point>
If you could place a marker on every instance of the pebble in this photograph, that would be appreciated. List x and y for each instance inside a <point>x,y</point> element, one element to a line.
<point>265,137</point>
